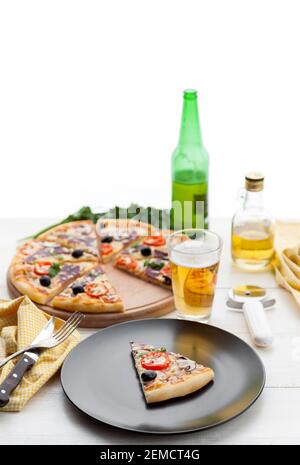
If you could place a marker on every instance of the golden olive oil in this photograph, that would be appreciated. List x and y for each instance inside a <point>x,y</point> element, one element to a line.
<point>252,248</point>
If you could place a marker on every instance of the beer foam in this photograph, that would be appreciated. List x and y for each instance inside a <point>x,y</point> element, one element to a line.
<point>194,254</point>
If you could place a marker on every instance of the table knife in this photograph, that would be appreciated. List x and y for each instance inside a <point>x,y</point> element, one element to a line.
<point>25,363</point>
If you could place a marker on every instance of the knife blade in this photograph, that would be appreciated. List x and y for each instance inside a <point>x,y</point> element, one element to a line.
<point>27,361</point>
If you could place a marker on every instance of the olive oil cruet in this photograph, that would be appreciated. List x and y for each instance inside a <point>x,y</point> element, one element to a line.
<point>252,236</point>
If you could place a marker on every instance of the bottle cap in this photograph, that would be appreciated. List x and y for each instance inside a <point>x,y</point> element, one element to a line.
<point>190,94</point>
<point>254,181</point>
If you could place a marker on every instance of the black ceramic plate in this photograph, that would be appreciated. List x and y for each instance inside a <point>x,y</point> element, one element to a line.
<point>100,379</point>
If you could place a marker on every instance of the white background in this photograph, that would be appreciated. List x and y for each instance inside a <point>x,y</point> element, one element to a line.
<point>91,97</point>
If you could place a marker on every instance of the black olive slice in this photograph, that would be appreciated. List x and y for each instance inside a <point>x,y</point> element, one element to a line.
<point>45,281</point>
<point>77,289</point>
<point>145,251</point>
<point>107,239</point>
<point>148,375</point>
<point>77,253</point>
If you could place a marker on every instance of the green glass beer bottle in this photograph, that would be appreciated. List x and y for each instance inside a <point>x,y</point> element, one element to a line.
<point>190,170</point>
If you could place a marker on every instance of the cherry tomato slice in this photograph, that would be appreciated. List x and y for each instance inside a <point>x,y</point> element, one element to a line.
<point>95,290</point>
<point>167,271</point>
<point>128,262</point>
<point>155,361</point>
<point>42,268</point>
<point>106,248</point>
<point>155,240</point>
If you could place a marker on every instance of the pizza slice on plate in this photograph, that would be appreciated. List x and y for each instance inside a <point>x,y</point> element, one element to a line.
<point>165,375</point>
<point>91,293</point>
<point>148,259</point>
<point>41,281</point>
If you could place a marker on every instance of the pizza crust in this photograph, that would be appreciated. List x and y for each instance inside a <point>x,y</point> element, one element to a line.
<point>25,287</point>
<point>181,388</point>
<point>81,304</point>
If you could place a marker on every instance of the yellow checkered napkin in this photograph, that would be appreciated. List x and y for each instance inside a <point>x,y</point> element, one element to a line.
<point>20,323</point>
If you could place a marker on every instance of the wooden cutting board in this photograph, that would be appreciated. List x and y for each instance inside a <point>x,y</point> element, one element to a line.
<point>142,300</point>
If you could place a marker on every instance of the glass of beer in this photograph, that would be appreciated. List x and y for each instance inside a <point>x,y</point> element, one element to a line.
<point>194,256</point>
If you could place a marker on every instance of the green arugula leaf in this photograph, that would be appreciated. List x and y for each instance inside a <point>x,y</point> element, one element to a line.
<point>54,270</point>
<point>157,217</point>
<point>155,265</point>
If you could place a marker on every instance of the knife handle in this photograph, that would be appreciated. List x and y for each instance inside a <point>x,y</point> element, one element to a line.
<point>14,378</point>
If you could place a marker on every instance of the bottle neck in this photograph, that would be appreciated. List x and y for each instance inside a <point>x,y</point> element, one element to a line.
<point>253,199</point>
<point>190,128</point>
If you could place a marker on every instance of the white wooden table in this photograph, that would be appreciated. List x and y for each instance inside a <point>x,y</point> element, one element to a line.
<point>49,418</point>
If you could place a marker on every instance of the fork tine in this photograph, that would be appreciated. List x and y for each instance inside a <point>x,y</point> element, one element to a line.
<point>75,321</point>
<point>66,324</point>
<point>63,326</point>
<point>68,333</point>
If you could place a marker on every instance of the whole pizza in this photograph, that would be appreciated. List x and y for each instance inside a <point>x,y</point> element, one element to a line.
<point>65,267</point>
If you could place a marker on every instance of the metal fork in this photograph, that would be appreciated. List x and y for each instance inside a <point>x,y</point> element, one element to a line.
<point>57,338</point>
